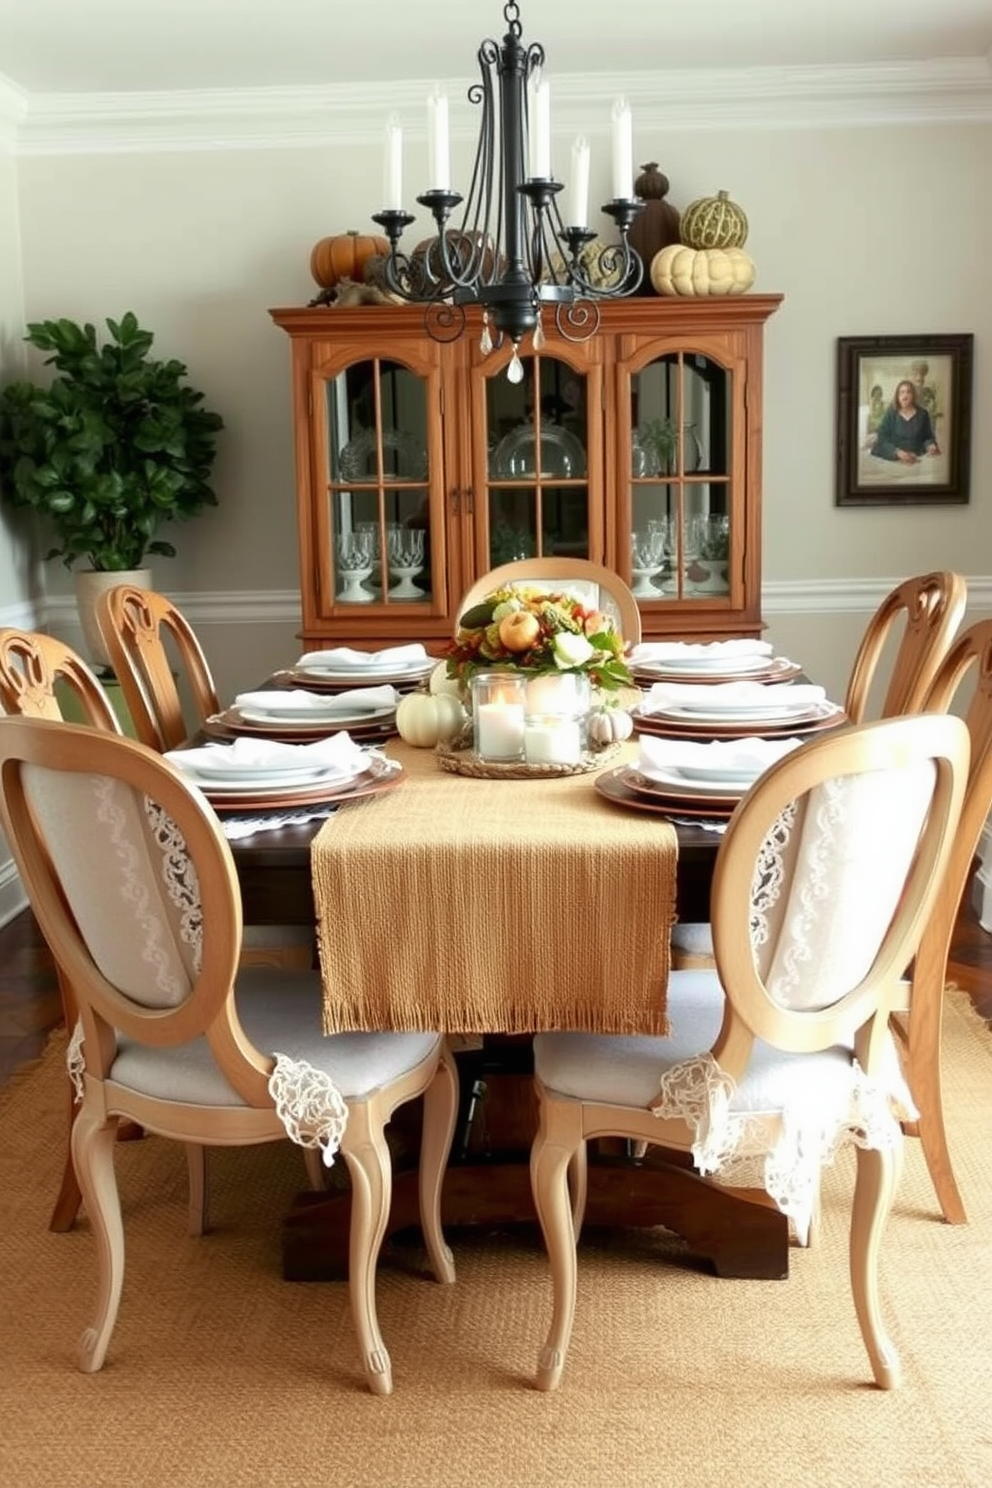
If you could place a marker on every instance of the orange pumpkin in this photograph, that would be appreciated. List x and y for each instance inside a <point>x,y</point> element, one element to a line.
<point>344,256</point>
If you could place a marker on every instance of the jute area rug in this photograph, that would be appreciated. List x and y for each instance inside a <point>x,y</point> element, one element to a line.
<point>222,1375</point>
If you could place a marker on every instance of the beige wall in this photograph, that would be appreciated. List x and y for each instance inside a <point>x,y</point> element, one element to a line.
<point>865,231</point>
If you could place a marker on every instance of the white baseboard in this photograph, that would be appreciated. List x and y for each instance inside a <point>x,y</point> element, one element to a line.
<point>12,897</point>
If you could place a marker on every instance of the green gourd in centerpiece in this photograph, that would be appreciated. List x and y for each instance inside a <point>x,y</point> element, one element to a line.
<point>714,222</point>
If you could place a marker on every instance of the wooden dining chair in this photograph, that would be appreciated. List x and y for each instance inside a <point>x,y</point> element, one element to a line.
<point>601,586</point>
<point>151,646</point>
<point>918,1028</point>
<point>172,1034</point>
<point>919,619</point>
<point>33,669</point>
<point>823,885</point>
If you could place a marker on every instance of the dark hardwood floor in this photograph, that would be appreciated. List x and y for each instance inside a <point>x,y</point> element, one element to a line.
<point>30,1006</point>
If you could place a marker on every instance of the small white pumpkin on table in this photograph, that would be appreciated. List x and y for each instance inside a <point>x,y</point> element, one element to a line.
<point>426,719</point>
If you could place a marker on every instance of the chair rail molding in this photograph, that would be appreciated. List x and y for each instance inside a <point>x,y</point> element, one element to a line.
<point>282,606</point>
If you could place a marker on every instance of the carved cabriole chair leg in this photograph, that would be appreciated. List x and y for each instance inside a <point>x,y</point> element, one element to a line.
<point>440,1114</point>
<point>366,1153</point>
<point>878,1173</point>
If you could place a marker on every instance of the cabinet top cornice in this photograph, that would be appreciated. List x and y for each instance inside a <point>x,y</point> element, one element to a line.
<point>640,313</point>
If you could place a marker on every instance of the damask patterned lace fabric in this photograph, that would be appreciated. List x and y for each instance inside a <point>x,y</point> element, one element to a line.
<point>834,1103</point>
<point>825,885</point>
<point>306,1099</point>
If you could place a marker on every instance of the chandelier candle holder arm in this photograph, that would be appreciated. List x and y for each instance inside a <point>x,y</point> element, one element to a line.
<point>510,252</point>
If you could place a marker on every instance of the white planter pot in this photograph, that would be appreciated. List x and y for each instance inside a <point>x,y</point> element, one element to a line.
<point>90,584</point>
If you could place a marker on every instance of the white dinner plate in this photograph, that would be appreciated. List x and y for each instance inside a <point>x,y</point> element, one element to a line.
<point>336,718</point>
<point>373,674</point>
<point>699,666</point>
<point>671,781</point>
<point>737,712</point>
<point>247,780</point>
<point>716,775</point>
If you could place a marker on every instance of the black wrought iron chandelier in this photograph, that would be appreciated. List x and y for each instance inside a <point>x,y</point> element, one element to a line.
<point>511,252</point>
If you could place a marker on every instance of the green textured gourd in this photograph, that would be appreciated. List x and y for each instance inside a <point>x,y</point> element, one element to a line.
<point>714,222</point>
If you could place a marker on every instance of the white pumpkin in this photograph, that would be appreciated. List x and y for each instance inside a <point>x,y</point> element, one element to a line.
<point>440,682</point>
<point>609,725</point>
<point>425,719</point>
<point>678,270</point>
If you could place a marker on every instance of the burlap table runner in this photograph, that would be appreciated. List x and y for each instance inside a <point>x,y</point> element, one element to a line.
<point>493,906</point>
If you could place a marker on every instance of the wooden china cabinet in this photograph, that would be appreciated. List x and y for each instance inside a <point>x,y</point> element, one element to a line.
<point>420,465</point>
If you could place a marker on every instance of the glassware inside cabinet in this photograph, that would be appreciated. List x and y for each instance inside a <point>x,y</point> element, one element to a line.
<point>378,496</point>
<point>536,432</point>
<point>680,478</point>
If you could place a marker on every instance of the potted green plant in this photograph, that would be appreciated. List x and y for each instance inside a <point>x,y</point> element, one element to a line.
<point>115,446</point>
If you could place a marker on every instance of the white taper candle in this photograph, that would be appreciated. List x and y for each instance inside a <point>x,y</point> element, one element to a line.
<point>623,150</point>
<point>438,151</point>
<point>578,196</point>
<point>539,126</point>
<point>392,182</point>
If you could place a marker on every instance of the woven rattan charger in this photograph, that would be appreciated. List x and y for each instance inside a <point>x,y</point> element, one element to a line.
<point>459,758</point>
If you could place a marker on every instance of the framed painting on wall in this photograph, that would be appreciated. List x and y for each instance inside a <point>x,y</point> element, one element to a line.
<point>903,420</point>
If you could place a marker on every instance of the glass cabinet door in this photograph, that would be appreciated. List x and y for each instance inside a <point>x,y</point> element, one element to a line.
<point>378,508</point>
<point>680,462</point>
<point>537,463</point>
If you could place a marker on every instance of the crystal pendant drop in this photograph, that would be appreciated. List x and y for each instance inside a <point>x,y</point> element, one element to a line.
<point>538,339</point>
<point>515,371</point>
<point>485,340</point>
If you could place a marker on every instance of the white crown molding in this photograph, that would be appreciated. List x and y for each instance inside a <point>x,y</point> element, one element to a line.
<point>950,90</point>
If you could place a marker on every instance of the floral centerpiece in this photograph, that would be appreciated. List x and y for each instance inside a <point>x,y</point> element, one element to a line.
<point>539,633</point>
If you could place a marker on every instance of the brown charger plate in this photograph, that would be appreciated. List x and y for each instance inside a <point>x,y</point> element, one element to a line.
<point>780,669</point>
<point>367,784</point>
<point>613,785</point>
<point>228,724</point>
<point>682,728</point>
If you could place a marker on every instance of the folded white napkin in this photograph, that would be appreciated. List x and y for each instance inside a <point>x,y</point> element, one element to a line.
<point>339,755</point>
<point>346,656</point>
<point>747,758</point>
<point>321,704</point>
<point>733,650</point>
<point>781,697</point>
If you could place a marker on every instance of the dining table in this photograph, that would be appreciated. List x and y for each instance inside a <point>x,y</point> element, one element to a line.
<point>491,908</point>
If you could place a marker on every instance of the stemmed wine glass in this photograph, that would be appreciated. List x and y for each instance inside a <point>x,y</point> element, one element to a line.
<point>354,566</point>
<point>406,558</point>
<point>647,555</point>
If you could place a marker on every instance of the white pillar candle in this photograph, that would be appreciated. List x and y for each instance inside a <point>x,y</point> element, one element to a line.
<point>561,692</point>
<point>499,730</point>
<point>392,181</point>
<point>552,740</point>
<point>578,198</point>
<point>623,151</point>
<point>539,126</point>
<point>438,152</point>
